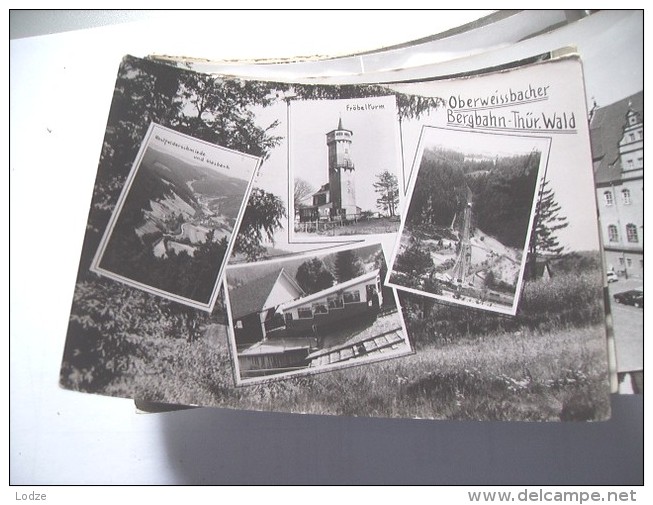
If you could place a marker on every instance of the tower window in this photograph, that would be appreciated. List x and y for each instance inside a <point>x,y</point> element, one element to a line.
<point>625,196</point>
<point>607,196</point>
<point>631,137</point>
<point>613,233</point>
<point>631,233</point>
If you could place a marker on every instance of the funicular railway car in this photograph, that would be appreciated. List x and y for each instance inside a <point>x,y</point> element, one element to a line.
<point>276,337</point>
<point>360,296</point>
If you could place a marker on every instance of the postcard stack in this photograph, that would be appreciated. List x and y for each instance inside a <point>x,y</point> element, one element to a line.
<point>420,249</point>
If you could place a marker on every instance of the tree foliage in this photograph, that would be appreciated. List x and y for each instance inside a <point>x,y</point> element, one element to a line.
<point>107,327</point>
<point>546,222</point>
<point>312,276</point>
<point>263,217</point>
<point>388,189</point>
<point>501,193</point>
<point>414,261</point>
<point>408,106</point>
<point>348,265</point>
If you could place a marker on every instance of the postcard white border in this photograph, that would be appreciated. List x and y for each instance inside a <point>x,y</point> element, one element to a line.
<point>95,264</point>
<point>365,360</point>
<point>541,175</point>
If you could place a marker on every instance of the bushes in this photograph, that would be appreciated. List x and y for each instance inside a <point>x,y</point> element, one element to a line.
<point>113,326</point>
<point>571,299</point>
<point>568,300</point>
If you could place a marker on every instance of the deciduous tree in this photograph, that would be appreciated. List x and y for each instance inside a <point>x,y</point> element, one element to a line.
<point>313,276</point>
<point>387,188</point>
<point>348,265</point>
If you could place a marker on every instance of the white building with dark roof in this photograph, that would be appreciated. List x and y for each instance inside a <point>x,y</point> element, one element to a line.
<point>617,134</point>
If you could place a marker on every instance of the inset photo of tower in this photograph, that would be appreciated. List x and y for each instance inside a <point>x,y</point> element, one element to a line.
<point>345,168</point>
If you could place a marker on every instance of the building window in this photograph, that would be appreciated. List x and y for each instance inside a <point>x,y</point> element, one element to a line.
<point>239,324</point>
<point>625,196</point>
<point>640,161</point>
<point>304,313</point>
<point>631,137</point>
<point>320,308</point>
<point>351,296</point>
<point>631,233</point>
<point>288,317</point>
<point>607,196</point>
<point>629,262</point>
<point>335,302</point>
<point>613,233</point>
<point>621,262</point>
<point>630,164</point>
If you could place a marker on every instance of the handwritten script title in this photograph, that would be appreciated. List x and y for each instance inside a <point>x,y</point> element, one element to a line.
<point>198,154</point>
<point>503,111</point>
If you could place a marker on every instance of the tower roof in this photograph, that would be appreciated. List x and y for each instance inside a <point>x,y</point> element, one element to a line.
<point>340,127</point>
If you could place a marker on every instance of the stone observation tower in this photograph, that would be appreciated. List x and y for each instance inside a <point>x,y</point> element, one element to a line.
<point>342,186</point>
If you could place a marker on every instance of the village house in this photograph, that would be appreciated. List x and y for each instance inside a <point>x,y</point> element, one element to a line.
<point>254,304</point>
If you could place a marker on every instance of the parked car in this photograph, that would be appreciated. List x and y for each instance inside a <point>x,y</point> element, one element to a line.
<point>612,276</point>
<point>631,297</point>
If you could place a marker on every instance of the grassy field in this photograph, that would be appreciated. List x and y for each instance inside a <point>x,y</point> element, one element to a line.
<point>509,376</point>
<point>546,363</point>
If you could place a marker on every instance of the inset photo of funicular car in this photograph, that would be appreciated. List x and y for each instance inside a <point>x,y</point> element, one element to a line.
<point>283,325</point>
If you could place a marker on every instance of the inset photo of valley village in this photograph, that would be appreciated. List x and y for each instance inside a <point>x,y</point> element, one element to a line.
<point>345,167</point>
<point>171,232</point>
<point>471,209</point>
<point>312,313</point>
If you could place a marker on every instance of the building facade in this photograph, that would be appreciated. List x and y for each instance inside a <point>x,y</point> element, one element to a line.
<point>618,154</point>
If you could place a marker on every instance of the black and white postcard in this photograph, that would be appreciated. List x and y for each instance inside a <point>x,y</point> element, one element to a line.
<point>468,224</point>
<point>345,168</point>
<point>311,313</point>
<point>172,229</point>
<point>287,313</point>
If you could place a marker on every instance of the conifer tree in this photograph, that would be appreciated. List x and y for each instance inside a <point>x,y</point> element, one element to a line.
<point>547,221</point>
